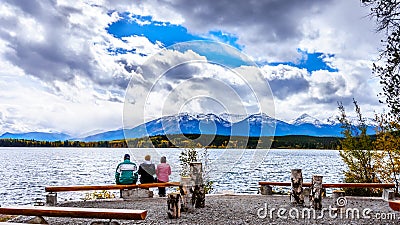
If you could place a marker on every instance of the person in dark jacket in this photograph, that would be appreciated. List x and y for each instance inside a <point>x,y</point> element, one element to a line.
<point>126,172</point>
<point>147,170</point>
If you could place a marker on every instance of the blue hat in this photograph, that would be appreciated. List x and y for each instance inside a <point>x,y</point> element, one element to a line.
<point>127,156</point>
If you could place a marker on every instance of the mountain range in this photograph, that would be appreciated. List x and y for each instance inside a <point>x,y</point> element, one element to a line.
<point>224,124</point>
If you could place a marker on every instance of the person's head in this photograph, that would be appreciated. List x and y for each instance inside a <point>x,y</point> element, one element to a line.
<point>127,156</point>
<point>147,158</point>
<point>163,159</point>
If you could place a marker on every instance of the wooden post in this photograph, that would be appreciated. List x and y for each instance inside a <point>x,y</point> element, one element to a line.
<point>198,192</point>
<point>51,199</point>
<point>196,173</point>
<point>266,190</point>
<point>186,194</point>
<point>388,194</point>
<point>339,200</point>
<point>316,192</point>
<point>296,195</point>
<point>174,205</point>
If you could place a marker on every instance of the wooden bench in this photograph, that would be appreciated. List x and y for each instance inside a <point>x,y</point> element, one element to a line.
<point>51,198</point>
<point>395,205</point>
<point>7,223</point>
<point>99,213</point>
<point>334,185</point>
<point>266,186</point>
<point>108,187</point>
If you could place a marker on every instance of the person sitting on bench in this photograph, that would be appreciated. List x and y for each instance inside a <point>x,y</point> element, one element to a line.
<point>126,172</point>
<point>163,171</point>
<point>147,170</point>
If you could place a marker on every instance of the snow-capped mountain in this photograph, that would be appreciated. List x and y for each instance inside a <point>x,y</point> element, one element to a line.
<point>42,136</point>
<point>305,118</point>
<point>332,120</point>
<point>225,124</point>
<point>233,118</point>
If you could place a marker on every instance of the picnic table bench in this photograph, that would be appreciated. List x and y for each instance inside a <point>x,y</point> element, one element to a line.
<point>51,198</point>
<point>334,185</point>
<point>108,187</point>
<point>74,212</point>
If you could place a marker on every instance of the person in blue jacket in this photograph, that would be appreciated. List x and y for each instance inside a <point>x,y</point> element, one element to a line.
<point>126,172</point>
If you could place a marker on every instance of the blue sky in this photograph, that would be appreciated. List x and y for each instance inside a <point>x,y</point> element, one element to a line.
<point>76,59</point>
<point>169,34</point>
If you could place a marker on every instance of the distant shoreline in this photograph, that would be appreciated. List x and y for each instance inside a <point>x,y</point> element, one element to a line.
<point>218,142</point>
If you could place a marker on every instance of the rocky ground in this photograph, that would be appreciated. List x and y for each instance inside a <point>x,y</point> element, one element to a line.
<point>244,209</point>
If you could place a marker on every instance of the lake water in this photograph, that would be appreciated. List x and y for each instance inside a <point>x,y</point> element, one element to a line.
<point>26,171</point>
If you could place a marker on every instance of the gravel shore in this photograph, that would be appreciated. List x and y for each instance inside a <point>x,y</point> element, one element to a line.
<point>243,209</point>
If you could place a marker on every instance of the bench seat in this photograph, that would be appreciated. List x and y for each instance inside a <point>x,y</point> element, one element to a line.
<point>7,223</point>
<point>337,185</point>
<point>74,212</point>
<point>395,205</point>
<point>108,187</point>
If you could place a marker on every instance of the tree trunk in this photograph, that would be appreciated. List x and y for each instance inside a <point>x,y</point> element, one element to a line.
<point>296,196</point>
<point>198,192</point>
<point>174,205</point>
<point>316,192</point>
<point>186,193</point>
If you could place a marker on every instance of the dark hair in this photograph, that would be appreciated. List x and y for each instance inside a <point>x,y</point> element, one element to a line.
<point>127,156</point>
<point>163,159</point>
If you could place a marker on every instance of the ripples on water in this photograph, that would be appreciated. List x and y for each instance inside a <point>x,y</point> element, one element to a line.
<point>26,171</point>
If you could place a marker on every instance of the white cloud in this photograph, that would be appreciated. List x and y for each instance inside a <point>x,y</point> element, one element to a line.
<point>29,106</point>
<point>176,82</point>
<point>58,53</point>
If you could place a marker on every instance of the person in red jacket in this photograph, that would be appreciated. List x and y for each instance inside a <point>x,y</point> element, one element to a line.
<point>163,171</point>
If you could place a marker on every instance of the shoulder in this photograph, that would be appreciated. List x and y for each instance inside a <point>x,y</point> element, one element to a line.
<point>130,162</point>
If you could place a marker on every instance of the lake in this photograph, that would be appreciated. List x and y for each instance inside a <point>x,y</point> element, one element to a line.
<point>26,171</point>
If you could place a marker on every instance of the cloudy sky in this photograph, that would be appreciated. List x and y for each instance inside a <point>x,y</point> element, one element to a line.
<point>65,66</point>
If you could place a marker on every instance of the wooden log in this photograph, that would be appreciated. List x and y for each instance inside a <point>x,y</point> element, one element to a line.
<point>174,205</point>
<point>334,185</point>
<point>359,185</point>
<point>272,183</point>
<point>108,187</point>
<point>198,196</point>
<point>196,173</point>
<point>296,195</point>
<point>7,223</point>
<point>89,187</point>
<point>186,194</point>
<point>154,185</point>
<point>337,194</point>
<point>316,192</point>
<point>339,200</point>
<point>198,192</point>
<point>100,213</point>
